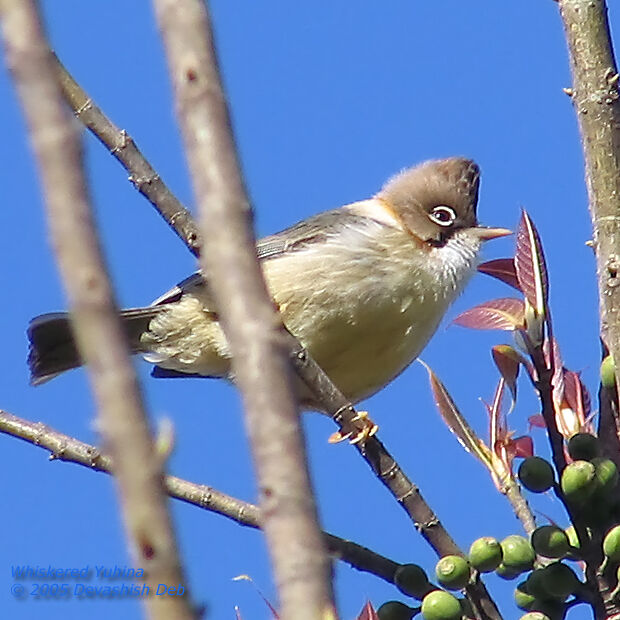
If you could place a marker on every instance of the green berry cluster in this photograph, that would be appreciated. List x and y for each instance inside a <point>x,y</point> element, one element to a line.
<point>548,584</point>
<point>588,484</point>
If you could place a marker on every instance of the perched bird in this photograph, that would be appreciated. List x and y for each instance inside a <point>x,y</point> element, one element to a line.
<point>363,287</point>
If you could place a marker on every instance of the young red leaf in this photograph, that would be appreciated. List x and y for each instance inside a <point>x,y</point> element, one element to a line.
<point>368,613</point>
<point>505,447</point>
<point>567,420</point>
<point>503,269</point>
<point>508,362</point>
<point>500,437</point>
<point>577,395</point>
<point>537,421</point>
<point>523,446</point>
<point>530,265</point>
<point>497,422</point>
<point>505,313</point>
<point>551,349</point>
<point>455,420</point>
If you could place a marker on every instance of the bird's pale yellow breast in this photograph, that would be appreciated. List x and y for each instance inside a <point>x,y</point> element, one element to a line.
<point>365,308</point>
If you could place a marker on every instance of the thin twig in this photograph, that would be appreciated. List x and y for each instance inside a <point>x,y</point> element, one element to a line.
<point>69,449</point>
<point>100,337</point>
<point>249,319</point>
<point>519,504</point>
<point>121,146</point>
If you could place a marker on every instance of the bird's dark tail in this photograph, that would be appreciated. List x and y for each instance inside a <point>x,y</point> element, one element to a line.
<point>52,345</point>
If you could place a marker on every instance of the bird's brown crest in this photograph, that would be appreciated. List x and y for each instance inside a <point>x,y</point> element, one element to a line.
<point>415,193</point>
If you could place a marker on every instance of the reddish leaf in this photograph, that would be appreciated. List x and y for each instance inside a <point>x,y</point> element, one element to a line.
<point>508,362</point>
<point>510,449</point>
<point>537,421</point>
<point>530,265</point>
<point>455,420</point>
<point>505,313</point>
<point>567,420</point>
<point>503,269</point>
<point>523,446</point>
<point>576,394</point>
<point>497,422</point>
<point>505,447</point>
<point>557,381</point>
<point>368,613</point>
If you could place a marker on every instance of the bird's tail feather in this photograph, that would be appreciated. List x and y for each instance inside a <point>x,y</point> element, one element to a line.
<point>52,344</point>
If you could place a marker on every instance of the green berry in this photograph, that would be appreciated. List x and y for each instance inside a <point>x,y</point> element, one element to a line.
<point>485,554</point>
<point>608,372</point>
<point>395,610</point>
<point>536,474</point>
<point>579,481</point>
<point>412,580</point>
<point>571,534</point>
<point>553,583</point>
<point>441,605</point>
<point>517,552</point>
<point>606,474</point>
<point>554,610</point>
<point>507,572</point>
<point>583,447</point>
<point>550,541</point>
<point>611,544</point>
<point>523,599</point>
<point>453,572</point>
<point>534,615</point>
<point>560,581</point>
<point>573,541</point>
<point>535,585</point>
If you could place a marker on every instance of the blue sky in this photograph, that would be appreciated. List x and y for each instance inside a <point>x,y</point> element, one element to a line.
<point>328,100</point>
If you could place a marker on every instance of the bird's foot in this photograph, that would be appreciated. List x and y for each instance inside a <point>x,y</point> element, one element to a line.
<point>367,430</point>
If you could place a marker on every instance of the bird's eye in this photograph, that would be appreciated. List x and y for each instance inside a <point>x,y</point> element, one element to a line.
<point>442,215</point>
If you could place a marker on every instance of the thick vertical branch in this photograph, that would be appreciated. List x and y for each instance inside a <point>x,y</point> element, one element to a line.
<point>100,338</point>
<point>597,105</point>
<point>253,328</point>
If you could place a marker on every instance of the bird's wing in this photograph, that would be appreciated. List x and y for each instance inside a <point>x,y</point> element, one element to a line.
<point>175,293</point>
<point>311,231</point>
<point>315,229</point>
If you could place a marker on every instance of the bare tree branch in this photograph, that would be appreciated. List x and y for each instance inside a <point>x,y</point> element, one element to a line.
<point>121,146</point>
<point>597,106</point>
<point>251,324</point>
<point>100,338</point>
<point>521,508</point>
<point>65,448</point>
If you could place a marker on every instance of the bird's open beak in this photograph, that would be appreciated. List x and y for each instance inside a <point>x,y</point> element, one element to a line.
<point>484,233</point>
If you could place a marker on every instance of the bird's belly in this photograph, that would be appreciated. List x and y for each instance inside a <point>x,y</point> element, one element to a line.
<point>366,348</point>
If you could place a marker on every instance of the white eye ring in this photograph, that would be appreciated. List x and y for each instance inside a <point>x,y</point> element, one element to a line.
<point>443,216</point>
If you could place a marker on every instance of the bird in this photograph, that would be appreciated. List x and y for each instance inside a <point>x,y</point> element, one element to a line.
<point>363,287</point>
